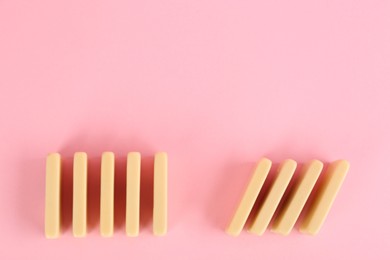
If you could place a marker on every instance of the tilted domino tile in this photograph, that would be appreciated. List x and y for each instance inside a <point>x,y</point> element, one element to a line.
<point>79,221</point>
<point>107,194</point>
<point>53,196</point>
<point>273,198</point>
<point>133,193</point>
<point>249,197</point>
<point>316,216</point>
<point>286,219</point>
<point>160,194</point>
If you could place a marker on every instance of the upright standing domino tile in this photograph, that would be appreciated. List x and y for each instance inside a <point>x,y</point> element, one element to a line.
<point>316,216</point>
<point>249,198</point>
<point>160,194</point>
<point>285,221</point>
<point>53,196</point>
<point>273,198</point>
<point>133,173</point>
<point>107,194</point>
<point>80,194</point>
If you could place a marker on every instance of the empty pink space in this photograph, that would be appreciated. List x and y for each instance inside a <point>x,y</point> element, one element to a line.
<point>215,84</point>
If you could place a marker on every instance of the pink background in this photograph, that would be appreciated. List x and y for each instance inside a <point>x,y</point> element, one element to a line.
<point>216,84</point>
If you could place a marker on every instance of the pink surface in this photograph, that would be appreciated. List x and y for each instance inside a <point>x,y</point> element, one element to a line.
<point>216,84</point>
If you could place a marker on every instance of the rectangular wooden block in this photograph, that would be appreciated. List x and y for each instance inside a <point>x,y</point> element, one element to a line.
<point>249,197</point>
<point>327,193</point>
<point>79,194</point>
<point>133,183</point>
<point>160,194</point>
<point>53,196</point>
<point>107,194</point>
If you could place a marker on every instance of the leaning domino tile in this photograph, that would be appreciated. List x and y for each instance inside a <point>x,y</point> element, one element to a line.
<point>248,200</point>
